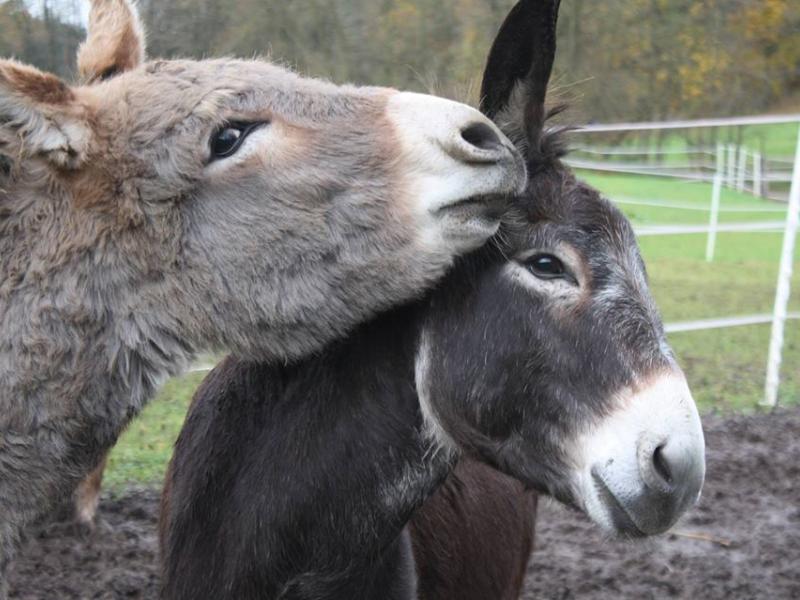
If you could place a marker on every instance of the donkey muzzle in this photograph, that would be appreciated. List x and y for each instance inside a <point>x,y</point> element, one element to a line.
<point>453,153</point>
<point>647,459</point>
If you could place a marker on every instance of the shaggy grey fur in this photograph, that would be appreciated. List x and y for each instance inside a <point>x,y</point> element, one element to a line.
<point>124,249</point>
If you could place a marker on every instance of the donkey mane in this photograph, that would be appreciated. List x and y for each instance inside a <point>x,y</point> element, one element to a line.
<point>554,144</point>
<point>550,180</point>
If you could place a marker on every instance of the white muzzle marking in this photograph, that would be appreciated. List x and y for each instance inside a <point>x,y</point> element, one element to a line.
<point>446,166</point>
<point>643,466</point>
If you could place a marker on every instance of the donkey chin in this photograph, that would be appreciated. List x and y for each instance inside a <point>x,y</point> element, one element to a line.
<point>643,465</point>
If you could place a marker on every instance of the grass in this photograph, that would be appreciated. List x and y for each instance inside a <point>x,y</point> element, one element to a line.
<point>725,367</point>
<point>144,449</point>
<point>775,140</point>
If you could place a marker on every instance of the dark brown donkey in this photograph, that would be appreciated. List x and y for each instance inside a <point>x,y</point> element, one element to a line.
<point>541,355</point>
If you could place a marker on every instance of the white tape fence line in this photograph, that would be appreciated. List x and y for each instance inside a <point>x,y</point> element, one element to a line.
<point>696,207</point>
<point>691,123</point>
<point>677,229</point>
<point>723,323</point>
<point>743,168</point>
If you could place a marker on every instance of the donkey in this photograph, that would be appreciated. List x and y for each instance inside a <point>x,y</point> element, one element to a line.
<point>168,207</point>
<point>541,355</point>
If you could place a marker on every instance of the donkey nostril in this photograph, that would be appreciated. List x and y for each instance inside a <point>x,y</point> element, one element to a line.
<point>481,136</point>
<point>661,465</point>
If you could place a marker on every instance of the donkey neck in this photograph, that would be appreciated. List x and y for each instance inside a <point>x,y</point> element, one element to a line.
<point>84,325</point>
<point>347,425</point>
<point>372,402</point>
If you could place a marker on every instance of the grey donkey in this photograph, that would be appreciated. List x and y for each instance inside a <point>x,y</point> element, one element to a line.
<point>163,208</point>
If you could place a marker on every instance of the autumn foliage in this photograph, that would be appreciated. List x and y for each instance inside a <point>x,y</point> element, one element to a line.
<point>618,59</point>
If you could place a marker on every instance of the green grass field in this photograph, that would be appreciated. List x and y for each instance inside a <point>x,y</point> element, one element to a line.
<point>773,140</point>
<point>725,367</point>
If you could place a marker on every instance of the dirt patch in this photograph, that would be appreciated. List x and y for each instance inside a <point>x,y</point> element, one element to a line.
<point>117,560</point>
<point>742,541</point>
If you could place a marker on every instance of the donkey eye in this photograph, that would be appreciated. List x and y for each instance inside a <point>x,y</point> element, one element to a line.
<point>546,266</point>
<point>228,139</point>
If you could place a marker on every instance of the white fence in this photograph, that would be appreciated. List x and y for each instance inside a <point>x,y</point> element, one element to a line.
<point>725,165</point>
<point>743,169</point>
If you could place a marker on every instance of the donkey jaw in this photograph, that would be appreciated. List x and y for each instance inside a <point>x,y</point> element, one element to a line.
<point>644,465</point>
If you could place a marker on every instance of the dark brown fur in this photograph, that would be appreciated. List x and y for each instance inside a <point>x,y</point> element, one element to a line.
<point>473,538</point>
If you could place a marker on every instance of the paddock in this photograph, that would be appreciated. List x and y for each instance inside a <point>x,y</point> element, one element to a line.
<point>708,200</point>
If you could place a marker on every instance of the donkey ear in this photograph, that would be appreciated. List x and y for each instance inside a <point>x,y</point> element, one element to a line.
<point>40,117</point>
<point>519,65</point>
<point>116,41</point>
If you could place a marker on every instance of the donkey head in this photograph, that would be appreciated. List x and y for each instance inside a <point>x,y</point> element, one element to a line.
<point>544,353</point>
<point>256,209</point>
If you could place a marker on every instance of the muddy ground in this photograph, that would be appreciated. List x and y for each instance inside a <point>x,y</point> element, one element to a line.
<point>742,541</point>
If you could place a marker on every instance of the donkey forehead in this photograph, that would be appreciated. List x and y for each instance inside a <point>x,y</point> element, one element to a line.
<point>564,209</point>
<point>185,88</point>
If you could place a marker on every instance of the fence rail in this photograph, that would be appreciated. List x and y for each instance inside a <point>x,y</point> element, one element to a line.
<point>688,171</point>
<point>695,207</point>
<point>762,227</point>
<point>691,124</point>
<point>723,323</point>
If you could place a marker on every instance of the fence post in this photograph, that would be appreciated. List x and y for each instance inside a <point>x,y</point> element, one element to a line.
<point>730,180</point>
<point>782,291</point>
<point>741,171</point>
<point>714,219</point>
<point>720,158</point>
<point>757,174</point>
